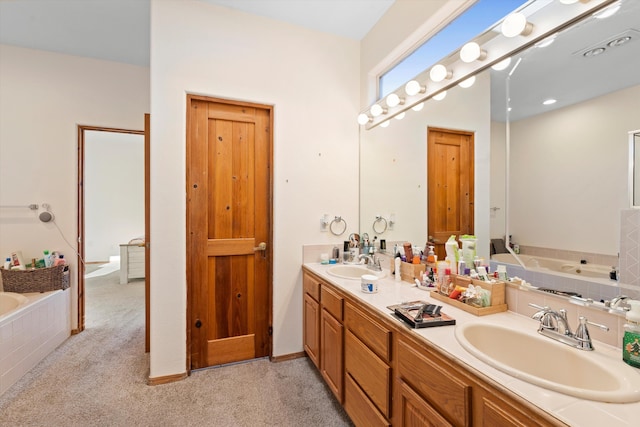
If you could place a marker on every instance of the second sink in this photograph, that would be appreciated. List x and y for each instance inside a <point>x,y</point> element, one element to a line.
<point>550,364</point>
<point>352,271</point>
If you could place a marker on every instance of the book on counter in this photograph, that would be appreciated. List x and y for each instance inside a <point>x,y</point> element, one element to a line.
<point>421,314</point>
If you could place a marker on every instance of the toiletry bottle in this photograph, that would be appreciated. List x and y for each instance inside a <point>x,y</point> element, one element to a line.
<point>631,340</point>
<point>60,261</point>
<point>48,259</point>
<point>431,256</point>
<point>7,264</point>
<point>397,273</point>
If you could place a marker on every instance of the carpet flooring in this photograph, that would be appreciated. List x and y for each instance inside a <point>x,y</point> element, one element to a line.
<point>98,378</point>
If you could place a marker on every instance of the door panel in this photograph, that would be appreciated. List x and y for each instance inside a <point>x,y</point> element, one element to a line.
<point>229,230</point>
<point>450,185</point>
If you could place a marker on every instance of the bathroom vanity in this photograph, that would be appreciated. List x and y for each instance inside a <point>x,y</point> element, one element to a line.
<point>385,373</point>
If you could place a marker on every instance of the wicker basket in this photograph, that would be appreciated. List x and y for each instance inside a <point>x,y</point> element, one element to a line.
<point>38,280</point>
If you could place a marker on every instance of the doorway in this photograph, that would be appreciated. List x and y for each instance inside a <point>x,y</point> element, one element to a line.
<point>96,146</point>
<point>450,183</point>
<point>229,231</point>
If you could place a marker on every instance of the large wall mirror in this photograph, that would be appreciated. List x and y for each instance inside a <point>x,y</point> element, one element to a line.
<point>568,160</point>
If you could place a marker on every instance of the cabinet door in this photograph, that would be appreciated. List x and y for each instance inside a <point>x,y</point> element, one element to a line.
<point>331,353</point>
<point>311,331</point>
<point>415,411</point>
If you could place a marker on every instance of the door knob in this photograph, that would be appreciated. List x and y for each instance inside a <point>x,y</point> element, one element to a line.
<point>261,247</point>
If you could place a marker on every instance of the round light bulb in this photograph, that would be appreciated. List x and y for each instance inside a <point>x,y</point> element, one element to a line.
<point>468,82</point>
<point>440,96</point>
<point>516,24</point>
<point>363,119</point>
<point>608,11</point>
<point>384,124</point>
<point>376,110</point>
<point>418,107</point>
<point>438,73</point>
<point>471,52</point>
<point>414,88</point>
<point>392,100</point>
<point>400,116</point>
<point>502,64</point>
<point>569,1</point>
<point>550,101</point>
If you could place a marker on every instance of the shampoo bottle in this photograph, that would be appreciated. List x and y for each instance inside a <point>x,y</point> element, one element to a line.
<point>7,264</point>
<point>631,340</point>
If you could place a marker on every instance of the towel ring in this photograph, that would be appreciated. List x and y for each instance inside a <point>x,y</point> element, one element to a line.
<point>380,219</point>
<point>338,220</point>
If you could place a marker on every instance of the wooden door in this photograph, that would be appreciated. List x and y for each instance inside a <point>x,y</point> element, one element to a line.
<point>229,156</point>
<point>450,184</point>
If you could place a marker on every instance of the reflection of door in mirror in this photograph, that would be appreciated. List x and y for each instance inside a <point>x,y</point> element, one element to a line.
<point>450,185</point>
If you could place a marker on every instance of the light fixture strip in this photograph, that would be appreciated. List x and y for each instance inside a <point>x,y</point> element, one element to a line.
<point>547,20</point>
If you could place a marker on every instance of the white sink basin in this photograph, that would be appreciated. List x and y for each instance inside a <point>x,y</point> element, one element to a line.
<point>352,271</point>
<point>550,364</point>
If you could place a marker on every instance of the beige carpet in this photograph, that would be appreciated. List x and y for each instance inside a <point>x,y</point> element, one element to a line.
<point>98,378</point>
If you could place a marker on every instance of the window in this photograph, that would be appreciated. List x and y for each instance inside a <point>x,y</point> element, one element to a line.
<point>478,18</point>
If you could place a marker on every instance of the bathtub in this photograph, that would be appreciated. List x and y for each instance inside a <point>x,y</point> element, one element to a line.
<point>32,325</point>
<point>560,266</point>
<point>9,302</point>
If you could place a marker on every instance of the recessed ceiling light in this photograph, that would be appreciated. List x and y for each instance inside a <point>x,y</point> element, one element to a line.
<point>619,42</point>
<point>549,101</point>
<point>594,52</point>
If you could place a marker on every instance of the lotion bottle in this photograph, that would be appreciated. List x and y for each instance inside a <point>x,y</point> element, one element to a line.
<point>631,340</point>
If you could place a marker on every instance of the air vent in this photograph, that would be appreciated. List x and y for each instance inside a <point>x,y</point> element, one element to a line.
<point>614,42</point>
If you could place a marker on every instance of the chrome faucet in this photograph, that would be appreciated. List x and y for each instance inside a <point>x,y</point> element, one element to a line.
<point>618,302</point>
<point>554,324</point>
<point>372,261</point>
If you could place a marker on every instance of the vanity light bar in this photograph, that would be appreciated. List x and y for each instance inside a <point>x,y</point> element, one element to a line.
<point>541,22</point>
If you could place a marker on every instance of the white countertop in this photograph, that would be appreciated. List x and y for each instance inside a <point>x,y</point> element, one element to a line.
<point>569,409</point>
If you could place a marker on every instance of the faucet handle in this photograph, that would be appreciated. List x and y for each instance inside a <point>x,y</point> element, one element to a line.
<point>582,333</point>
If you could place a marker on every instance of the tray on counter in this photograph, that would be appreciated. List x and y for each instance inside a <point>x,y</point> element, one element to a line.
<point>407,312</point>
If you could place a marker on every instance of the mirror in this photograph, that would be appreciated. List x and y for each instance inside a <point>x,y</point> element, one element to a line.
<point>568,179</point>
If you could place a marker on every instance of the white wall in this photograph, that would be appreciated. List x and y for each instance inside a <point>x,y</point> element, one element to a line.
<point>44,97</point>
<point>569,174</point>
<point>311,78</point>
<point>497,177</point>
<point>114,192</point>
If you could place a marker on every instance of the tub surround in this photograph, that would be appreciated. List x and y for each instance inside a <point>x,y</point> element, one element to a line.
<point>32,331</point>
<point>570,410</point>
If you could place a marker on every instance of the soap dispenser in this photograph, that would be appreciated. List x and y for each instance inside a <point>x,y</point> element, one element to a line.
<point>631,340</point>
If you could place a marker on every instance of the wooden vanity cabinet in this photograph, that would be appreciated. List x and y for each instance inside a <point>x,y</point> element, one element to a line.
<point>311,316</point>
<point>368,372</point>
<point>384,374</point>
<point>332,340</point>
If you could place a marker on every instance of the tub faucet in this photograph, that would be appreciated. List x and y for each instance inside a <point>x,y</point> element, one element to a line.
<point>372,261</point>
<point>618,302</point>
<point>551,321</point>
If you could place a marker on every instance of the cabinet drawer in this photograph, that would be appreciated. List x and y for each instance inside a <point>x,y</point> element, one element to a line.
<point>311,286</point>
<point>359,407</point>
<point>331,302</point>
<point>370,332</point>
<point>370,372</point>
<point>436,381</point>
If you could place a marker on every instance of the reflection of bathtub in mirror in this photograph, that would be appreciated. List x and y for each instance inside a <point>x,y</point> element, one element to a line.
<point>556,265</point>
<point>550,274</point>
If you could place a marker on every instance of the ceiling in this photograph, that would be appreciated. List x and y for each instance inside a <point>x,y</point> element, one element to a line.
<point>119,30</point>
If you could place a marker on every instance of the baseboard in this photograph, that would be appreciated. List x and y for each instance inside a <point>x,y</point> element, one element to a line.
<point>290,356</point>
<point>166,379</point>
